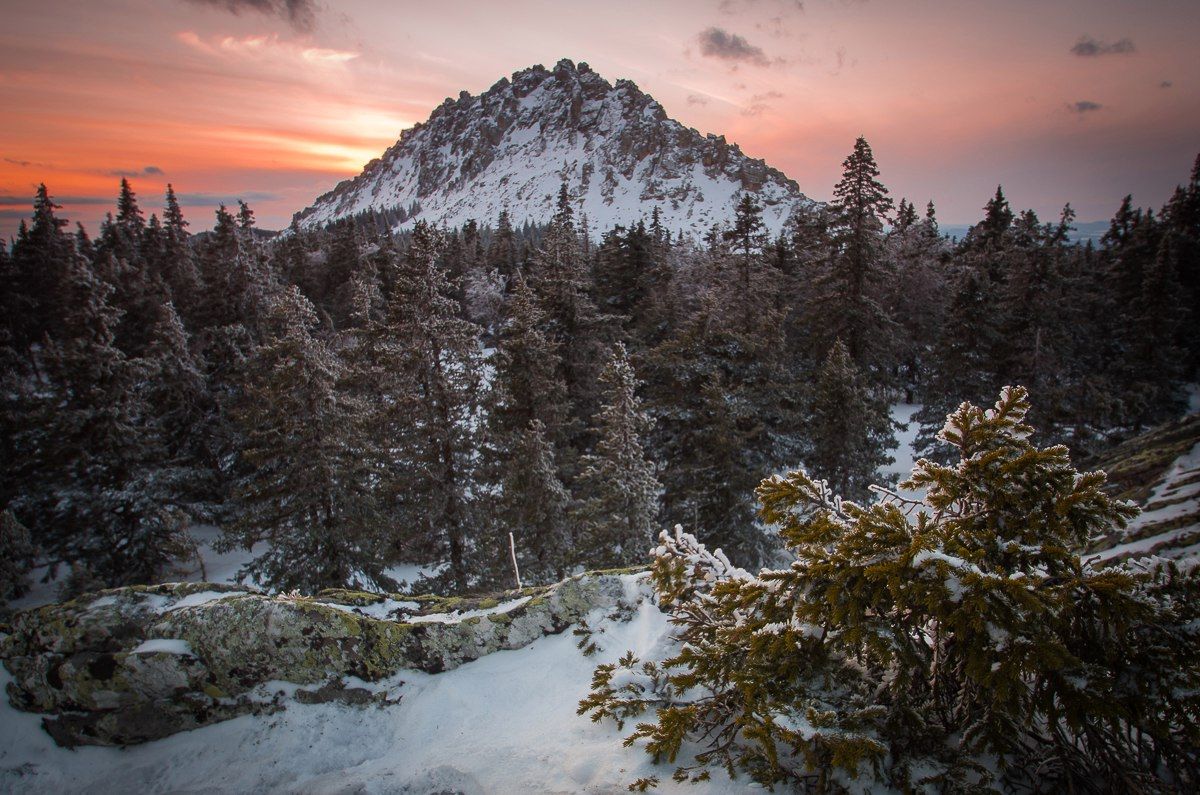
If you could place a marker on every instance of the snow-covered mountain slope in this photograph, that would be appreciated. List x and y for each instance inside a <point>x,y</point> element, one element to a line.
<point>1161,472</point>
<point>511,147</point>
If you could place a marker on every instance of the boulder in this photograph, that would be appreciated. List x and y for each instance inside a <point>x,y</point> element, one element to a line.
<point>128,665</point>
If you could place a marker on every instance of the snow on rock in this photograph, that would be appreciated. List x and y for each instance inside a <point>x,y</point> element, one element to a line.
<point>504,723</point>
<point>510,148</point>
<point>165,646</point>
<point>134,664</point>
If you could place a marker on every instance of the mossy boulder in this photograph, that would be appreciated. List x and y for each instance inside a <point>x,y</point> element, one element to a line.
<point>134,664</point>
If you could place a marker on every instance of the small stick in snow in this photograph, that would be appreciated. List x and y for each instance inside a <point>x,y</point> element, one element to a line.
<point>512,549</point>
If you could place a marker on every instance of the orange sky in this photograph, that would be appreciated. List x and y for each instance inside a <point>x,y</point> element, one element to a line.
<point>233,99</point>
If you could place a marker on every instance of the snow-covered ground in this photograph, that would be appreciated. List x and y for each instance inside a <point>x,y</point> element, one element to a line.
<point>217,566</point>
<point>1175,497</point>
<point>505,723</point>
<point>904,455</point>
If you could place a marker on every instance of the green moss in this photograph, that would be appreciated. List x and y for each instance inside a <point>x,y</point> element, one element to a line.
<point>213,691</point>
<point>343,596</point>
<point>487,604</point>
<point>617,571</point>
<point>386,648</point>
<point>500,618</point>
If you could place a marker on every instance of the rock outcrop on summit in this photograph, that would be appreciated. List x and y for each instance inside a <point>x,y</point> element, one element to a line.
<point>512,147</point>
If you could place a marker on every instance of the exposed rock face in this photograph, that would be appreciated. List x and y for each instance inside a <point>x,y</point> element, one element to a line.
<point>510,148</point>
<point>135,664</point>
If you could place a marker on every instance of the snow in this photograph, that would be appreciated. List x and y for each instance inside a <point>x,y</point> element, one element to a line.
<point>167,645</point>
<point>455,617</point>
<point>198,598</point>
<point>386,610</point>
<point>905,456</point>
<point>502,151</point>
<point>406,574</point>
<point>219,566</point>
<point>1174,499</point>
<point>504,723</point>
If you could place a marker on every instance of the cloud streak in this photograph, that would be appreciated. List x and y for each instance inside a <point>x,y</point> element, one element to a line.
<point>300,14</point>
<point>721,44</point>
<point>213,199</point>
<point>1087,47</point>
<point>9,200</point>
<point>148,171</point>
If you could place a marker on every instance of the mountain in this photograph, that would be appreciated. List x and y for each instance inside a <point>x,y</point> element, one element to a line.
<point>510,148</point>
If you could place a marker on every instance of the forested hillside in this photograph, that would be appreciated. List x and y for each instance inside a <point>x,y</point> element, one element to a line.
<point>355,398</point>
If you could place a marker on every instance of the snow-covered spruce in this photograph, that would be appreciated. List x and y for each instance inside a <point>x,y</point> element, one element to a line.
<point>959,642</point>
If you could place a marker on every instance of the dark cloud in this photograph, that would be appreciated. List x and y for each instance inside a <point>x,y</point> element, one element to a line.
<point>719,43</point>
<point>228,199</point>
<point>11,199</point>
<point>26,163</point>
<point>1087,47</point>
<point>1165,84</point>
<point>1085,106</point>
<point>696,99</point>
<point>147,171</point>
<point>300,14</point>
<point>760,103</point>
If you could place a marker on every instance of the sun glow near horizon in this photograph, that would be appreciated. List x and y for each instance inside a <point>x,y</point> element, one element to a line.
<point>251,103</point>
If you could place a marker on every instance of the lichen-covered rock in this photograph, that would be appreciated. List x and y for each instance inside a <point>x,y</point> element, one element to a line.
<point>134,664</point>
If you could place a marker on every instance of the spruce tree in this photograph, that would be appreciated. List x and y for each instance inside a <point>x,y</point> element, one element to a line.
<point>850,431</point>
<point>432,481</point>
<point>847,301</point>
<point>17,556</point>
<point>175,261</point>
<point>528,383</point>
<point>960,642</point>
<point>533,505</point>
<point>722,421</point>
<point>310,488</point>
<point>87,453</point>
<point>618,491</point>
<point>558,275</point>
<point>35,296</point>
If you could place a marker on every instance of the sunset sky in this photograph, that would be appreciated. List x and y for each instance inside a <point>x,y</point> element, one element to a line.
<point>274,101</point>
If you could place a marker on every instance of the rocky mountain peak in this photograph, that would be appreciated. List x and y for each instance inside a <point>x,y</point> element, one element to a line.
<point>512,146</point>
